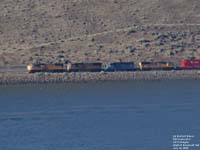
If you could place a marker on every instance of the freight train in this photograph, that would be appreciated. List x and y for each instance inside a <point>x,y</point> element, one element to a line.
<point>114,66</point>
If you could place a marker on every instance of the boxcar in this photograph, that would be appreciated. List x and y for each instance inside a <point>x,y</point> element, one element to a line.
<point>190,64</point>
<point>84,67</point>
<point>119,66</point>
<point>156,66</point>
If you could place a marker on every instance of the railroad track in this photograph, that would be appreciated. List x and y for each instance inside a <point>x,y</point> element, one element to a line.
<point>4,69</point>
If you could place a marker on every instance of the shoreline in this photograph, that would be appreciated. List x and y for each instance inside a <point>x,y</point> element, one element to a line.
<point>19,78</point>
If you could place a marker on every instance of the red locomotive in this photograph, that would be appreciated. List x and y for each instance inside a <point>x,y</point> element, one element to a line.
<point>190,64</point>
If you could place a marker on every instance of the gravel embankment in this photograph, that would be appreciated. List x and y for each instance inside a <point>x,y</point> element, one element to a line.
<point>38,78</point>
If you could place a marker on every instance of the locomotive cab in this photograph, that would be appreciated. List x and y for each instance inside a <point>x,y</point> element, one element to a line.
<point>32,68</point>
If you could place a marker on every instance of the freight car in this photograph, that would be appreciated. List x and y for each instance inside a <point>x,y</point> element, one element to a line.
<point>190,64</point>
<point>46,68</point>
<point>156,66</point>
<point>119,66</point>
<point>84,67</point>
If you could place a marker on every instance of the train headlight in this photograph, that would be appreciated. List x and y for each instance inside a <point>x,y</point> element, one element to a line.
<point>29,67</point>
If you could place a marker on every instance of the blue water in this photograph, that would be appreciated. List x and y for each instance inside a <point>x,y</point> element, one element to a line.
<point>132,115</point>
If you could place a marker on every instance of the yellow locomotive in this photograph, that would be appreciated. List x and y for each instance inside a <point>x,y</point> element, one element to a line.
<point>156,66</point>
<point>80,67</point>
<point>35,68</point>
<point>46,68</point>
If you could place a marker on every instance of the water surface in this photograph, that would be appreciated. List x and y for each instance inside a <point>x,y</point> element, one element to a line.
<point>112,115</point>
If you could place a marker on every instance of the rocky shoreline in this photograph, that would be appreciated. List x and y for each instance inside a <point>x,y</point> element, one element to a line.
<point>43,78</point>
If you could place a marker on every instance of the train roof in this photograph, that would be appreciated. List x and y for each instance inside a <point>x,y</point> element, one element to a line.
<point>154,62</point>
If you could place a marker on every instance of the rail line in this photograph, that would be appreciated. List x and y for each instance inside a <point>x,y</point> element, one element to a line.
<point>5,69</point>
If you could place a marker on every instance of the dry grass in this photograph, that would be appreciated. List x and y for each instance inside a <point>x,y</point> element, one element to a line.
<point>98,30</point>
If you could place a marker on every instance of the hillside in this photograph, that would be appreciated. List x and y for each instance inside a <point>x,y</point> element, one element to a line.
<point>98,30</point>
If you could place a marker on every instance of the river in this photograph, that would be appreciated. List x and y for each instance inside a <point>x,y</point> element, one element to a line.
<point>140,115</point>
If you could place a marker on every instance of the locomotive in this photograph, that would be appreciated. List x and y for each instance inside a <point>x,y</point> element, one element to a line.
<point>81,67</point>
<point>119,66</point>
<point>40,67</point>
<point>156,66</point>
<point>190,64</point>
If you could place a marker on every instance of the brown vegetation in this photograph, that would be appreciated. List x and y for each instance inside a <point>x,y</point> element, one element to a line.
<point>98,30</point>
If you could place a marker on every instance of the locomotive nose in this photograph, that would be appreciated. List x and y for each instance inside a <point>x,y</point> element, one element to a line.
<point>29,67</point>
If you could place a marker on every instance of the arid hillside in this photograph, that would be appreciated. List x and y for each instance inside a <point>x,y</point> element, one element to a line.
<point>98,30</point>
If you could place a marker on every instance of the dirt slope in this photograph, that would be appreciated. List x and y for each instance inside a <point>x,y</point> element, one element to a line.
<point>98,30</point>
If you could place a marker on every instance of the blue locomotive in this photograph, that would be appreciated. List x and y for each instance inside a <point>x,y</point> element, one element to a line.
<point>119,66</point>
